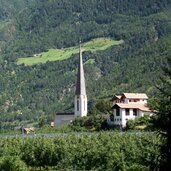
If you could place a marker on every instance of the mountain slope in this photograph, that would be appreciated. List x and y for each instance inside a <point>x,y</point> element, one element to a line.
<point>60,24</point>
<point>28,92</point>
<point>8,9</point>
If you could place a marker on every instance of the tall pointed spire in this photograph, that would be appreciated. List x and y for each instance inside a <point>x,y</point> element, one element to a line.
<point>80,85</point>
<point>80,93</point>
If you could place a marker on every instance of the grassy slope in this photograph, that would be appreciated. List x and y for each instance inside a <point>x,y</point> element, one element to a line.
<point>61,54</point>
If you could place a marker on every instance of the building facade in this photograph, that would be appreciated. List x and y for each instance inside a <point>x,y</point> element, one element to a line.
<point>128,106</point>
<point>80,104</point>
<point>80,100</point>
<point>63,118</point>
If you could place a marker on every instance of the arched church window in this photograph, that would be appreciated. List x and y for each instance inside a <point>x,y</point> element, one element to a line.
<point>77,105</point>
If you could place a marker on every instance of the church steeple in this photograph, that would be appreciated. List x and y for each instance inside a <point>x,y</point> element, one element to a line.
<point>80,85</point>
<point>80,93</point>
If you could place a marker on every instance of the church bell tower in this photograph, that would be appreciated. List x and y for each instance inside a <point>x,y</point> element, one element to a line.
<point>80,103</point>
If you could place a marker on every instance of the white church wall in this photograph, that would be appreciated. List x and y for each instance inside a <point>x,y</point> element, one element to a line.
<point>81,110</point>
<point>62,119</point>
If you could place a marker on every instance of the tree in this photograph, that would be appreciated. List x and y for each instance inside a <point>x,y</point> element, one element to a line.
<point>163,120</point>
<point>101,107</point>
<point>42,121</point>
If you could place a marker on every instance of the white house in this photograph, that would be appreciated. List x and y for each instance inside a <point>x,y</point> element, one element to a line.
<point>128,106</point>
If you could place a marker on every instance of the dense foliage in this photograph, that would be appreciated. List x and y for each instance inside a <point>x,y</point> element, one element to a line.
<point>145,122</point>
<point>90,123</point>
<point>30,93</point>
<point>102,151</point>
<point>163,118</point>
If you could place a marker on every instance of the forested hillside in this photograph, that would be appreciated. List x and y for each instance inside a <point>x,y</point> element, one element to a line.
<point>32,27</point>
<point>8,9</point>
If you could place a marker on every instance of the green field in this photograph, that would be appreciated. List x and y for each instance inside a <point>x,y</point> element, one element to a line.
<point>61,54</point>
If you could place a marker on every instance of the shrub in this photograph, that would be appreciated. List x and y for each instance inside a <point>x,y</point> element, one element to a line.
<point>142,121</point>
<point>12,164</point>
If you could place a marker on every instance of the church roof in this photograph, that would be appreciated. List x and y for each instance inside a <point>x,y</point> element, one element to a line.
<point>116,97</point>
<point>80,84</point>
<point>65,113</point>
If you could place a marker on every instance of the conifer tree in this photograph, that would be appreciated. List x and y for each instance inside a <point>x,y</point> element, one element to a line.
<point>164,118</point>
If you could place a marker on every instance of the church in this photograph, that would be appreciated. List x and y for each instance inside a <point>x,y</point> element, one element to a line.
<point>80,100</point>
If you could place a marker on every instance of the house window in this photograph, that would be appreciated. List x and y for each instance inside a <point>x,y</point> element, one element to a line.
<point>111,117</point>
<point>135,112</point>
<point>117,111</point>
<point>77,105</point>
<point>127,112</point>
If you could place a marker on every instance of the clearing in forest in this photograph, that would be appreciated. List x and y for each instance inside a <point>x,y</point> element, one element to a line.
<point>94,45</point>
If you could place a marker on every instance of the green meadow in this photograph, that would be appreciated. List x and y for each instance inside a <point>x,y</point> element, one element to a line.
<point>94,45</point>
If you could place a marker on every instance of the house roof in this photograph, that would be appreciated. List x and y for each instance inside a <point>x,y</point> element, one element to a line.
<point>134,96</point>
<point>141,107</point>
<point>65,113</point>
<point>28,129</point>
<point>115,97</point>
